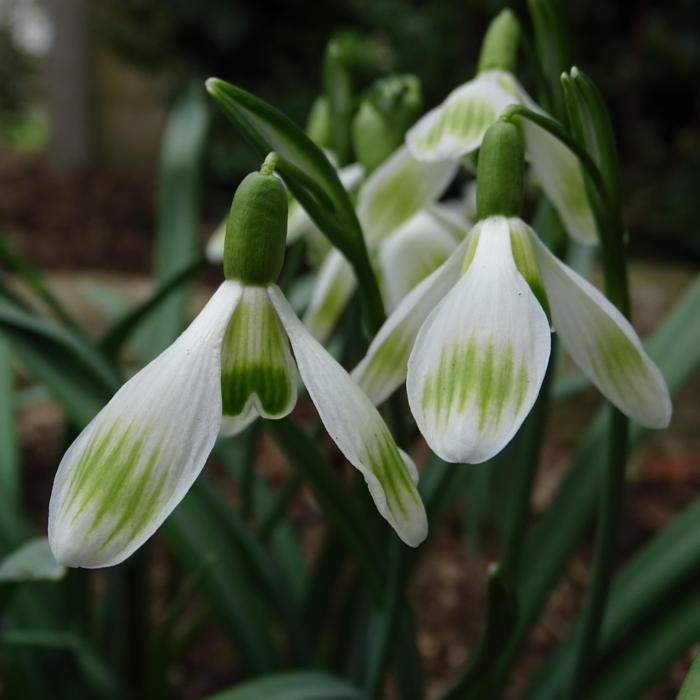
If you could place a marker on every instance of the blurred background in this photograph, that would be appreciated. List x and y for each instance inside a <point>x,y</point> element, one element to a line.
<point>86,90</point>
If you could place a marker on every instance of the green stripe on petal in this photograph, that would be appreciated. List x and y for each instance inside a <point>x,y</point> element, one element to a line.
<point>138,457</point>
<point>358,430</point>
<point>458,125</point>
<point>383,369</point>
<point>603,343</point>
<point>480,357</point>
<point>257,369</point>
<point>396,190</point>
<point>525,260</point>
<point>415,250</point>
<point>334,286</point>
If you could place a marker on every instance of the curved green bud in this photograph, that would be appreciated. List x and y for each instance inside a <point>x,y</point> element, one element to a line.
<point>500,44</point>
<point>256,230</point>
<point>390,107</point>
<point>318,124</point>
<point>500,171</point>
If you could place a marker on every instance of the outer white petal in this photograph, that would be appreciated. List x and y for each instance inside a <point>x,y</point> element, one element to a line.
<point>137,458</point>
<point>411,253</point>
<point>334,286</point>
<point>454,215</point>
<point>214,252</point>
<point>561,177</point>
<point>457,126</point>
<point>480,357</point>
<point>383,369</point>
<point>397,189</point>
<point>358,430</point>
<point>603,343</point>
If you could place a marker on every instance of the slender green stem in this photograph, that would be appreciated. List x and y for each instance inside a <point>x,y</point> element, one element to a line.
<point>609,512</point>
<point>524,477</point>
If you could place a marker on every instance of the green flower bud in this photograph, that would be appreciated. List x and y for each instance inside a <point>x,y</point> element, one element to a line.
<point>318,125</point>
<point>500,44</point>
<point>256,230</point>
<point>387,111</point>
<point>500,171</point>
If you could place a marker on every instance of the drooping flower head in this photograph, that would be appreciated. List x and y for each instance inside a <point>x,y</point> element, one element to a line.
<point>473,339</point>
<point>237,360</point>
<point>456,128</point>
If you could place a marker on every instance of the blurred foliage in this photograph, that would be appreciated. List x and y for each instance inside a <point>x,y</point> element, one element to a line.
<point>645,57</point>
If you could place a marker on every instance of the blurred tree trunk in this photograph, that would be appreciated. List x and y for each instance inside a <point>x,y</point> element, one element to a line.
<point>66,73</point>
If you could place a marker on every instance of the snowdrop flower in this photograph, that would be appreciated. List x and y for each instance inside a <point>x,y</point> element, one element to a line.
<point>472,340</point>
<point>406,233</point>
<point>238,359</point>
<point>456,128</point>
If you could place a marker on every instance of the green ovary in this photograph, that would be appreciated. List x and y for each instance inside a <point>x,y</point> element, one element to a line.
<point>255,359</point>
<point>114,479</point>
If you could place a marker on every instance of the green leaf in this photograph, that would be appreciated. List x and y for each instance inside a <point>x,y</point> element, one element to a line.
<point>9,452</point>
<point>125,325</point>
<point>33,561</point>
<point>296,685</point>
<point>93,668</point>
<point>177,231</point>
<point>336,499</point>
<point>35,282</point>
<point>302,164</point>
<point>691,685</point>
<point>644,658</point>
<point>262,568</point>
<point>72,369</point>
<point>197,537</point>
<point>675,347</point>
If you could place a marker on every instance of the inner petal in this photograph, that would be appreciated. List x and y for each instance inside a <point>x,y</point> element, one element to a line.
<point>257,368</point>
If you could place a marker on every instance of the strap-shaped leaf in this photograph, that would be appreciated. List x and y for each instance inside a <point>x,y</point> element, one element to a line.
<point>296,685</point>
<point>305,169</point>
<point>66,363</point>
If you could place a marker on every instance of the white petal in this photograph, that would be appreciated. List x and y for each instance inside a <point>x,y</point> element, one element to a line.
<point>454,215</point>
<point>458,125</point>
<point>231,426</point>
<point>257,368</point>
<point>351,176</point>
<point>214,251</point>
<point>397,189</point>
<point>415,250</point>
<point>358,430</point>
<point>561,177</point>
<point>334,286</point>
<point>383,369</point>
<point>480,357</point>
<point>603,343</point>
<point>137,458</point>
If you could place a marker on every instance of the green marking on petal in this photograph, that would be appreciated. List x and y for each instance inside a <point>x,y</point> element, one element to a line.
<point>463,118</point>
<point>521,384</point>
<point>471,249</point>
<point>486,373</point>
<point>384,460</point>
<point>113,480</point>
<point>615,357</point>
<point>392,353</point>
<point>525,261</point>
<point>255,359</point>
